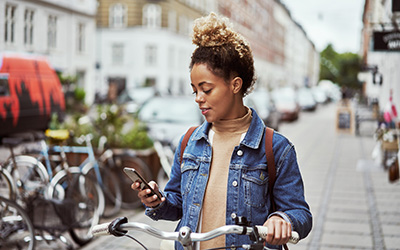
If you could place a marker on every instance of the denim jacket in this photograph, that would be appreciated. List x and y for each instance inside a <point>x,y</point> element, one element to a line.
<point>247,190</point>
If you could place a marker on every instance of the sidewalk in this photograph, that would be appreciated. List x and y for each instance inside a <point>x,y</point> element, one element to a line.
<point>353,204</point>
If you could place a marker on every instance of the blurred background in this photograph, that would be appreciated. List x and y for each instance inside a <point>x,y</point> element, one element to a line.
<point>119,71</point>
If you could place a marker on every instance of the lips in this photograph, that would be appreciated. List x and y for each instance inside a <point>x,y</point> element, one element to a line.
<point>204,111</point>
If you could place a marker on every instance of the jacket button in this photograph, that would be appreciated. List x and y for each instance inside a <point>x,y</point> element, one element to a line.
<point>239,152</point>
<point>234,183</point>
<point>233,215</point>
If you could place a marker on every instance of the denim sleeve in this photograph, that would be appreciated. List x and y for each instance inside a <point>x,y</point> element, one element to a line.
<point>289,190</point>
<point>171,209</point>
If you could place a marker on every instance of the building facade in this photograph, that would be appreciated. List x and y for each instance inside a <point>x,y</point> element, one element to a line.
<point>284,55</point>
<point>147,43</point>
<point>63,31</point>
<point>380,50</point>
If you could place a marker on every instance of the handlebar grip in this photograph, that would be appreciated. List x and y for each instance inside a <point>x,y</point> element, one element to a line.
<point>263,232</point>
<point>101,229</point>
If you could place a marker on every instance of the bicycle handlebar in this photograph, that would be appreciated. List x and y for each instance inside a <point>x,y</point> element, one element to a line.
<point>185,236</point>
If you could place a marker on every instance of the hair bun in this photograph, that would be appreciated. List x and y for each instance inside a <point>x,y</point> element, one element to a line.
<point>212,30</point>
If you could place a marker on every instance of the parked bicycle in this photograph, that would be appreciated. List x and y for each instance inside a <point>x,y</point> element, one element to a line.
<point>16,228</point>
<point>67,201</point>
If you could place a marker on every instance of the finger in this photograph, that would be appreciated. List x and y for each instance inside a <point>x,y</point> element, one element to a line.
<point>153,185</point>
<point>277,234</point>
<point>270,235</point>
<point>135,185</point>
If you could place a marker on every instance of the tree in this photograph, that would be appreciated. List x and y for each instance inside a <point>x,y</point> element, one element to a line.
<point>340,68</point>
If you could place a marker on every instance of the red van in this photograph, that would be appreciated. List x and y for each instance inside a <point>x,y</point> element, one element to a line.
<point>30,91</point>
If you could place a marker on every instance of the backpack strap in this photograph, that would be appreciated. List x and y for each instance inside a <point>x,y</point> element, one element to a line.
<point>185,141</point>
<point>269,152</point>
<point>269,132</point>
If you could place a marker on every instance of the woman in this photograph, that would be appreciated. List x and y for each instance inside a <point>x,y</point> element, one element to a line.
<point>223,173</point>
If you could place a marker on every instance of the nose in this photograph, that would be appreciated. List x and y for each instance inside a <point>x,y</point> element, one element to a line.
<point>199,98</point>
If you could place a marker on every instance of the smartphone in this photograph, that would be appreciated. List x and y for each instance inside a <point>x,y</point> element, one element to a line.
<point>136,177</point>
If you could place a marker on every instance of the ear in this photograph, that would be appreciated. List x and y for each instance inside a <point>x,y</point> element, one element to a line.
<point>236,84</point>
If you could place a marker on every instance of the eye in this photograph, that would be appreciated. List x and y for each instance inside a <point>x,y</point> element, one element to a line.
<point>194,92</point>
<point>207,91</point>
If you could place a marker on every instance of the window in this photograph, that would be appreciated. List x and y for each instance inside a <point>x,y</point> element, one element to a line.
<point>151,55</point>
<point>118,16</point>
<point>52,32</point>
<point>183,25</point>
<point>9,29</point>
<point>152,16</point>
<point>4,88</point>
<point>117,54</point>
<point>80,75</point>
<point>172,21</point>
<point>81,37</point>
<point>28,27</point>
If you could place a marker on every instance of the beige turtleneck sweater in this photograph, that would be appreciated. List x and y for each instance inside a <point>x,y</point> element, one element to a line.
<point>227,135</point>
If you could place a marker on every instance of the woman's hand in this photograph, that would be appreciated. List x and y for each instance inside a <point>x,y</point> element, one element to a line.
<point>149,201</point>
<point>279,230</point>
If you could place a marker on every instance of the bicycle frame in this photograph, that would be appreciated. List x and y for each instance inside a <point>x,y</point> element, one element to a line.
<point>91,159</point>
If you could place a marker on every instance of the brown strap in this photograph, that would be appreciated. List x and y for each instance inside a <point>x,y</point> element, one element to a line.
<point>185,141</point>
<point>269,133</point>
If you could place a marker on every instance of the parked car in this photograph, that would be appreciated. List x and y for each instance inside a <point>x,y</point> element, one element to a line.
<point>306,99</point>
<point>132,99</point>
<point>286,103</point>
<point>262,102</point>
<point>169,117</point>
<point>319,95</point>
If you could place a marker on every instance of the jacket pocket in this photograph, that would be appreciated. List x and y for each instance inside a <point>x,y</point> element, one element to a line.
<point>255,183</point>
<point>189,170</point>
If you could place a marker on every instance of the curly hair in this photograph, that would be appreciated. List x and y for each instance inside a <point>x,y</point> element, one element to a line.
<point>225,52</point>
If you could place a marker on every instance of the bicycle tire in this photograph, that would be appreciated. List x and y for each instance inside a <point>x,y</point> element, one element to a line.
<point>30,175</point>
<point>129,196</point>
<point>110,186</point>
<point>7,185</point>
<point>87,197</point>
<point>16,228</point>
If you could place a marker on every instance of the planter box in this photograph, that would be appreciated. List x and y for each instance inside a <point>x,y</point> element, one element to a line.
<point>149,156</point>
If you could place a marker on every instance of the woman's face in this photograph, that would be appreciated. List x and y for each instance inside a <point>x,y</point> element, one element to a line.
<point>216,98</point>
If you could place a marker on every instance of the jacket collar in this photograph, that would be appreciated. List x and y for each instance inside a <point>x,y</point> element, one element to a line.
<point>253,136</point>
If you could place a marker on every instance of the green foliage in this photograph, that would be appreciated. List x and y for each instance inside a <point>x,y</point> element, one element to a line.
<point>340,68</point>
<point>136,137</point>
<point>79,94</point>
<point>120,129</point>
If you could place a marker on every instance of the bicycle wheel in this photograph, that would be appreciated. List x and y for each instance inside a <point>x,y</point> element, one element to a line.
<point>16,229</point>
<point>129,196</point>
<point>29,175</point>
<point>7,186</point>
<point>86,195</point>
<point>110,186</point>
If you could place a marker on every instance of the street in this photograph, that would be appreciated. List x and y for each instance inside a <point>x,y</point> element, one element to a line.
<point>353,204</point>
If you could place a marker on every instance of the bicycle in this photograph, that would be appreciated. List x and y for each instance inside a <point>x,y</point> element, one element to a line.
<point>28,175</point>
<point>99,169</point>
<point>68,192</point>
<point>75,184</point>
<point>120,226</point>
<point>7,185</point>
<point>115,160</point>
<point>16,228</point>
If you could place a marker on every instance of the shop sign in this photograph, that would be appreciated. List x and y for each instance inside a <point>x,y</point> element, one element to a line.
<point>388,41</point>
